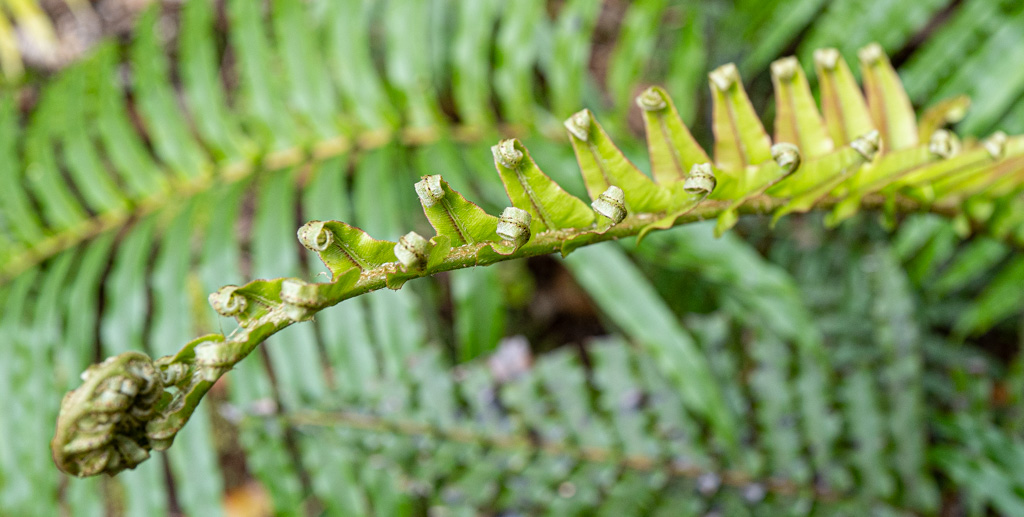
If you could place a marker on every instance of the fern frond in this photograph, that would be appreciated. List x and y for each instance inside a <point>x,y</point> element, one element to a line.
<point>288,109</point>
<point>535,427</point>
<point>879,419</point>
<point>876,161</point>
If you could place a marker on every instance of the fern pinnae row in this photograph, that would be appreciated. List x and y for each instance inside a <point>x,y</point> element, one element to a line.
<point>514,442</point>
<point>88,228</point>
<point>752,177</point>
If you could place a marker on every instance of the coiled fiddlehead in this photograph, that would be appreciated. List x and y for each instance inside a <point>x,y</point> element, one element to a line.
<point>862,151</point>
<point>130,404</point>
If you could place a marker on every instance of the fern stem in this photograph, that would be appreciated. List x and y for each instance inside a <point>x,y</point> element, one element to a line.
<point>545,243</point>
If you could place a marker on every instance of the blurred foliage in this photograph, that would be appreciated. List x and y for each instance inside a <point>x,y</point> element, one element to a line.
<point>866,370</point>
<point>40,36</point>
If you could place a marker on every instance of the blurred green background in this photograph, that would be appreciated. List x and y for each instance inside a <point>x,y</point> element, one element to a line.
<point>151,152</point>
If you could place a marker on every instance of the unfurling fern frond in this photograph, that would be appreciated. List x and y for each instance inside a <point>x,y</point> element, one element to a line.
<point>861,151</point>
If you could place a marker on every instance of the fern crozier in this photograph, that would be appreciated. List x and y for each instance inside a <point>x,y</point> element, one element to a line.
<point>855,155</point>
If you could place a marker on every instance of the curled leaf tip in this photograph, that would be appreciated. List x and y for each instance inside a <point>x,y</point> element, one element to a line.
<point>944,144</point>
<point>227,301</point>
<point>579,124</point>
<point>868,144</point>
<point>724,76</point>
<point>507,154</point>
<point>514,226</point>
<point>958,111</point>
<point>826,58</point>
<point>996,145</point>
<point>651,100</point>
<point>611,204</point>
<point>213,359</point>
<point>315,236</point>
<point>701,179</point>
<point>429,190</point>
<point>785,69</point>
<point>871,53</point>
<point>299,297</point>
<point>411,250</point>
<point>786,155</point>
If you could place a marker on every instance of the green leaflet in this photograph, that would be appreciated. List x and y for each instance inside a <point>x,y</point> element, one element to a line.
<point>471,48</point>
<point>995,181</point>
<point>604,165</point>
<point>890,168</point>
<point>797,120</point>
<point>279,300</point>
<point>248,303</point>
<point>846,113</point>
<point>757,181</point>
<point>359,83</point>
<point>1007,217</point>
<point>669,220</point>
<point>1000,181</point>
<point>986,462</point>
<point>457,222</point>
<point>609,275</point>
<point>530,189</point>
<point>970,264</point>
<point>634,50</point>
<point>672,149</point>
<point>816,179</point>
<point>740,139</point>
<point>452,216</point>
<point>122,145</point>
<point>887,100</point>
<point>919,184</point>
<point>685,74</point>
<point>170,134</point>
<point>17,209</point>
<point>874,177</point>
<point>59,207</point>
<point>1002,298</point>
<point>564,58</point>
<point>813,172</point>
<point>199,76</point>
<point>342,247</point>
<point>81,158</point>
<point>864,412</point>
<point>948,111</point>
